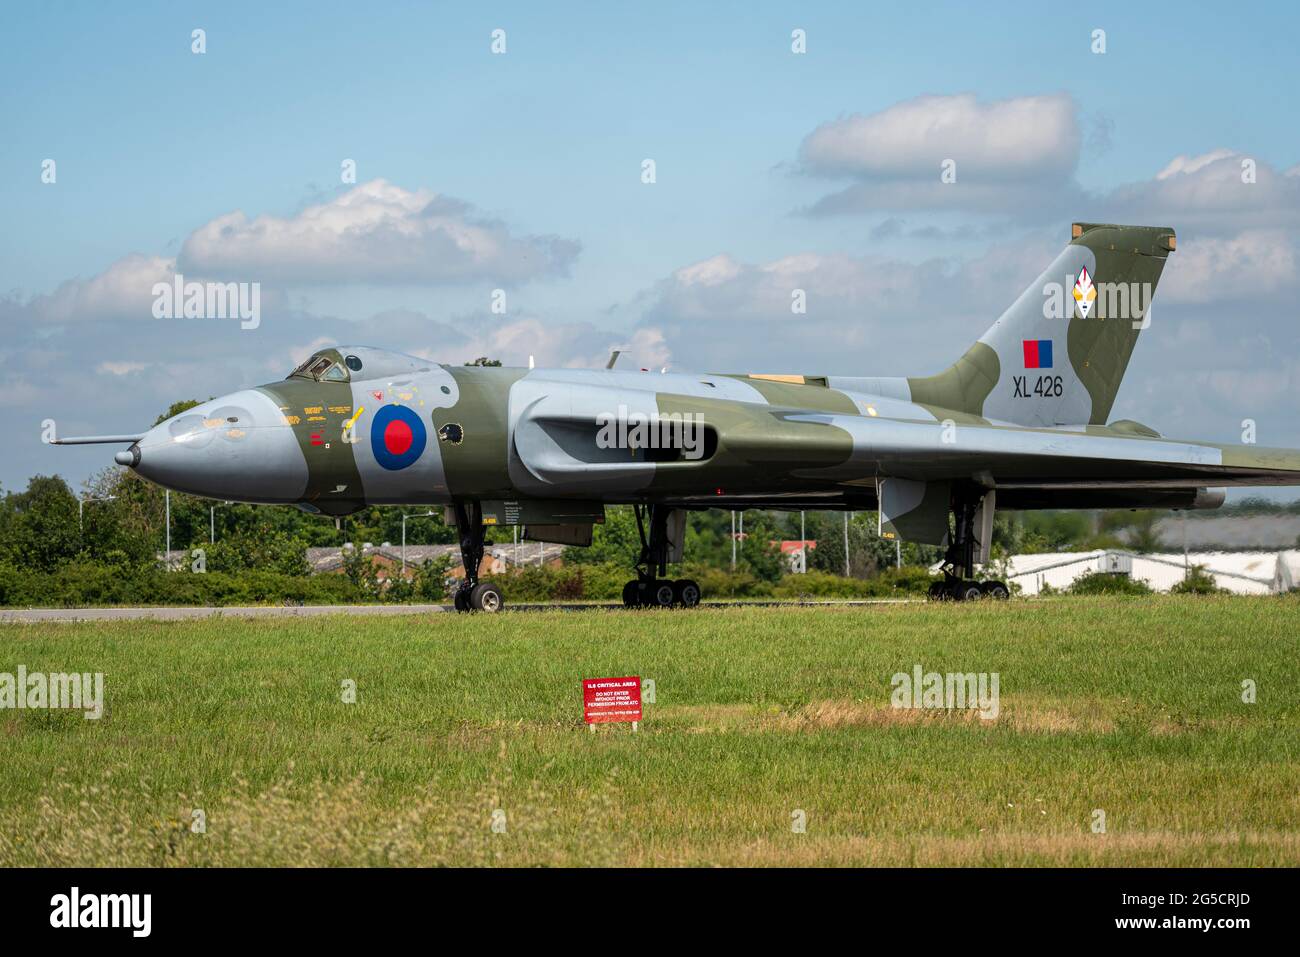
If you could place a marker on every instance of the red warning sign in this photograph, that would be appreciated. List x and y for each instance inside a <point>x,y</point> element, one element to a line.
<point>611,699</point>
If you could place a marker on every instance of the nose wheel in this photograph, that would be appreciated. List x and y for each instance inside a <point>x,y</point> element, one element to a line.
<point>472,594</point>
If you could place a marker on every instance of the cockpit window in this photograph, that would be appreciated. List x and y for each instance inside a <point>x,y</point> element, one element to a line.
<point>352,363</point>
<point>321,368</point>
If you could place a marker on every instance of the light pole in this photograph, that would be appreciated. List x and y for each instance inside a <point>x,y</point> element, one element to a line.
<point>405,516</point>
<point>733,540</point>
<point>1186,567</point>
<point>846,545</point>
<point>803,546</point>
<point>167,552</point>
<point>81,506</point>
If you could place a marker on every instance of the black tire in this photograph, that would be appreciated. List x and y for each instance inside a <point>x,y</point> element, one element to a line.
<point>631,595</point>
<point>998,591</point>
<point>686,592</point>
<point>965,591</point>
<point>487,597</point>
<point>936,591</point>
<point>663,594</point>
<point>460,599</point>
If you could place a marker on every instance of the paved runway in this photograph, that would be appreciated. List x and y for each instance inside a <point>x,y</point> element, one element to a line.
<point>31,615</point>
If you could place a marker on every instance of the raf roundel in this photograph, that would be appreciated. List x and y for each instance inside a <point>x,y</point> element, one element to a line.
<point>397,437</point>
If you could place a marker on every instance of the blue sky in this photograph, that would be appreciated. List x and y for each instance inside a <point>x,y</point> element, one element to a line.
<point>153,143</point>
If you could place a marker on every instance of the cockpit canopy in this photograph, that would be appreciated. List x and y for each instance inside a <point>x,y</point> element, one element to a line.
<point>357,363</point>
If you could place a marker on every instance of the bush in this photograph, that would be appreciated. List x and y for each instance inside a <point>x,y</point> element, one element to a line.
<point>1103,583</point>
<point>604,582</point>
<point>567,583</point>
<point>891,583</point>
<point>429,582</point>
<point>1198,582</point>
<point>264,550</point>
<point>78,584</point>
<point>88,584</point>
<point>722,583</point>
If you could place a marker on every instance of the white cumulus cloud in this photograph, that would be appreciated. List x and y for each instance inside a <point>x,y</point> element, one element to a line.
<point>376,232</point>
<point>1006,153</point>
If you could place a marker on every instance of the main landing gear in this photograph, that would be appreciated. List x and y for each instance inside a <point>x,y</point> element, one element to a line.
<point>648,590</point>
<point>959,563</point>
<point>472,594</point>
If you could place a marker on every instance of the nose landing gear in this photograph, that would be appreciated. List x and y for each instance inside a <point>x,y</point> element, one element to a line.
<point>648,590</point>
<point>474,595</point>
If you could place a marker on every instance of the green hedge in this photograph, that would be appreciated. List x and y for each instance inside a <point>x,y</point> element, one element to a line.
<point>81,585</point>
<point>605,583</point>
<point>1102,583</point>
<point>85,585</point>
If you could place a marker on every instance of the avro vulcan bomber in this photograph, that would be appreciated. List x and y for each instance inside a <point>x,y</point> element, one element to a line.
<point>1021,420</point>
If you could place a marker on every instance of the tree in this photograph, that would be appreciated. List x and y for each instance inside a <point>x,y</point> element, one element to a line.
<point>430,578</point>
<point>614,542</point>
<point>176,408</point>
<point>760,550</point>
<point>360,568</point>
<point>376,524</point>
<point>868,552</point>
<point>1142,533</point>
<point>111,531</point>
<point>484,361</point>
<point>39,528</point>
<point>266,550</point>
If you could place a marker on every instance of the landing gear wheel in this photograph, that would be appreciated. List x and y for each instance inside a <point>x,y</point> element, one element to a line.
<point>936,591</point>
<point>486,597</point>
<point>461,598</point>
<point>473,594</point>
<point>662,594</point>
<point>995,590</point>
<point>686,592</point>
<point>965,591</point>
<point>651,589</point>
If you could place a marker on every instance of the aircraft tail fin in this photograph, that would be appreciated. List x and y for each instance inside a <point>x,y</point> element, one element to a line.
<point>1059,352</point>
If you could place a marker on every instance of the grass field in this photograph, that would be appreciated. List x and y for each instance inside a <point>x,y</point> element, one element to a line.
<point>1130,706</point>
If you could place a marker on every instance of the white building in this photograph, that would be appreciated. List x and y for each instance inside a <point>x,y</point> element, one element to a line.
<point>1287,575</point>
<point>1243,573</point>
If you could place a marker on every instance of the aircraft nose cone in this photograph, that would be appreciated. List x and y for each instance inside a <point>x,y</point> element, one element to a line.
<point>237,447</point>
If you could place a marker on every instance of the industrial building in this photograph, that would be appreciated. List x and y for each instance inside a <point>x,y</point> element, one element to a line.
<point>1243,573</point>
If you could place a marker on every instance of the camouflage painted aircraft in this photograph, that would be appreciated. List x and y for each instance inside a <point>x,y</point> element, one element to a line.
<point>1020,421</point>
